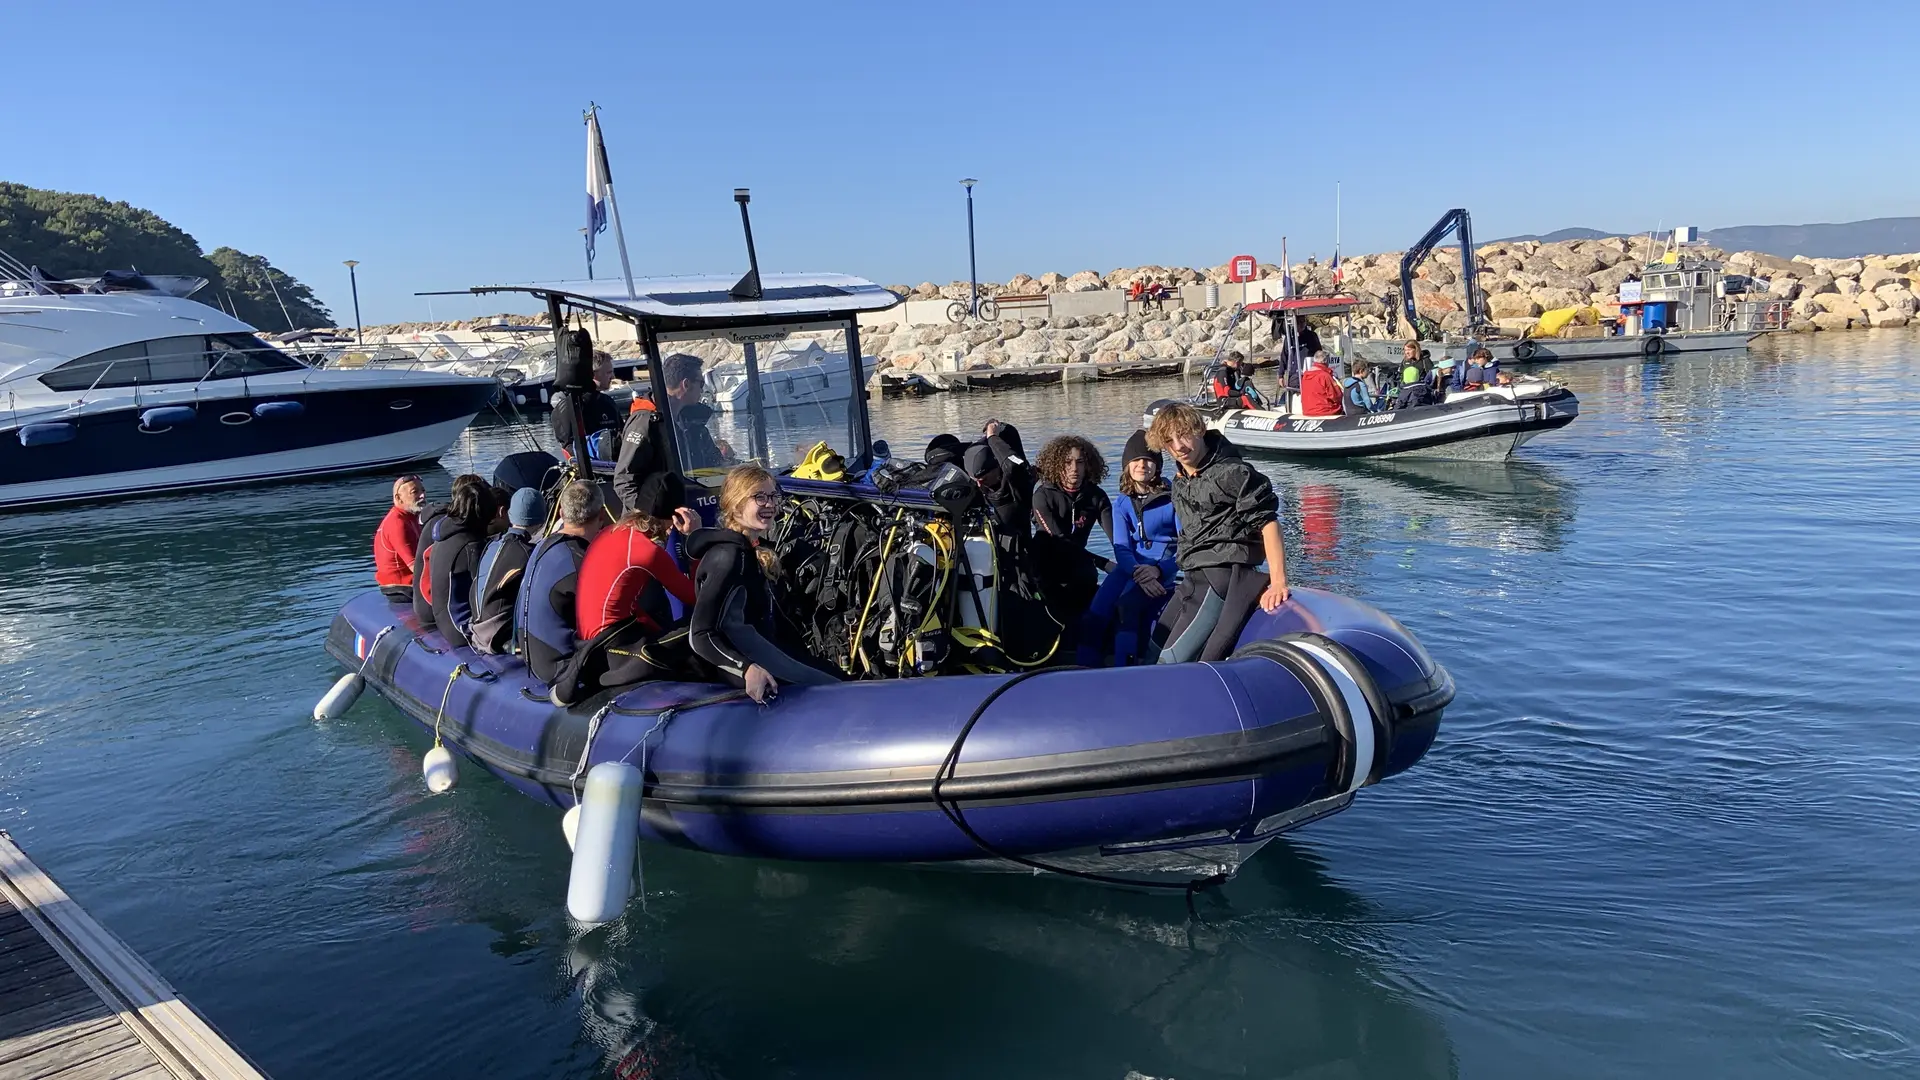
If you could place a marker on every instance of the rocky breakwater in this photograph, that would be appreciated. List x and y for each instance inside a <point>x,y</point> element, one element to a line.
<point>1520,280</point>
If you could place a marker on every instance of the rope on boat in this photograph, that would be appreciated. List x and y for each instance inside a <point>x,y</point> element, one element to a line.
<point>951,808</point>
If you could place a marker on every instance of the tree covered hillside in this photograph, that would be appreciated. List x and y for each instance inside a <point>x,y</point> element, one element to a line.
<point>74,235</point>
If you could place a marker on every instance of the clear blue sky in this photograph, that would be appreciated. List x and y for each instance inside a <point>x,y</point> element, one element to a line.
<point>441,144</point>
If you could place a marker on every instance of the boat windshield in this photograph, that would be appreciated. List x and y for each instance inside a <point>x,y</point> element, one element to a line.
<point>762,395</point>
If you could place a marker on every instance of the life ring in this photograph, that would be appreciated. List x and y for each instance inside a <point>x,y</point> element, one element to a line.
<point>1653,346</point>
<point>1524,349</point>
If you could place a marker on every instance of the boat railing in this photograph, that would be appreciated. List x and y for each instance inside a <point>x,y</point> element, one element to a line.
<point>19,279</point>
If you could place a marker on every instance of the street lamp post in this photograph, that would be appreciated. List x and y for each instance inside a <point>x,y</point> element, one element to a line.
<point>973,270</point>
<point>358,337</point>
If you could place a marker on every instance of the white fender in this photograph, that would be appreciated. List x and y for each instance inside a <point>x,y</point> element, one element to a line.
<point>1357,708</point>
<point>340,697</point>
<point>605,843</point>
<point>439,769</point>
<point>570,824</point>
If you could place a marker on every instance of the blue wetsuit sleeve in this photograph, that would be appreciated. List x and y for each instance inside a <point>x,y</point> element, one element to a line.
<point>1122,530</point>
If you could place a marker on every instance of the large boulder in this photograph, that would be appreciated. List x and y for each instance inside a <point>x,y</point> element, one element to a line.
<point>1512,305</point>
<point>1565,279</point>
<point>1538,264</point>
<point>1805,308</point>
<point>1829,320</point>
<point>1502,265</point>
<point>1551,298</point>
<point>1769,265</point>
<point>926,290</point>
<point>1084,281</point>
<point>1817,285</point>
<point>1844,267</point>
<point>1022,285</point>
<point>1604,253</point>
<point>1903,264</point>
<point>1783,288</point>
<point>1899,299</point>
<point>1873,277</point>
<point>1578,263</point>
<point>1801,326</point>
<point>1834,303</point>
<point>1608,280</point>
<point>1889,320</point>
<point>1432,303</point>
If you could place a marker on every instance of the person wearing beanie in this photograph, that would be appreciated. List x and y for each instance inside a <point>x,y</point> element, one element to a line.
<point>496,585</point>
<point>1144,531</point>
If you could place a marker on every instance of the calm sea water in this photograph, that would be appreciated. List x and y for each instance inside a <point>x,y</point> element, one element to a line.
<point>1669,829</point>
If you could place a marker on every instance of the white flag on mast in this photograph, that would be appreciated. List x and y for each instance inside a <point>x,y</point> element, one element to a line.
<point>599,184</point>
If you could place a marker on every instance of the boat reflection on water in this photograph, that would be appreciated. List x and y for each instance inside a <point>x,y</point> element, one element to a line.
<point>1348,511</point>
<point>857,972</point>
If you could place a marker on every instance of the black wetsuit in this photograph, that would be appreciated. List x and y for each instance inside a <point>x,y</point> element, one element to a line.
<point>644,478</point>
<point>732,625</point>
<point>452,563</point>
<point>697,448</point>
<point>434,523</point>
<point>601,415</point>
<point>544,621</point>
<point>1069,573</point>
<point>1222,507</point>
<point>496,591</point>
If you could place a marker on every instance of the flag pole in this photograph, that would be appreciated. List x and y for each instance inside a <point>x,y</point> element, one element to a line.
<point>613,204</point>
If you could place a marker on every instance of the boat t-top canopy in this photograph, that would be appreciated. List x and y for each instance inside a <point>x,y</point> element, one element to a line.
<point>754,310</point>
<point>1308,305</point>
<point>714,303</point>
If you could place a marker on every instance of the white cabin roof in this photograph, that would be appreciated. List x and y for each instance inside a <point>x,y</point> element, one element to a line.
<point>707,297</point>
<point>41,332</point>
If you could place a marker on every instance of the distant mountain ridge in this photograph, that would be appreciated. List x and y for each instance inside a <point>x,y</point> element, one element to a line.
<point>1845,240</point>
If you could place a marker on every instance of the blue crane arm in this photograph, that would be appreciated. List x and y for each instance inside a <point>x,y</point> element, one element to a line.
<point>1452,220</point>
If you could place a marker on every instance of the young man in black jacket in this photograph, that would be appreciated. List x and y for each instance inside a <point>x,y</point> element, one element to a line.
<point>1229,524</point>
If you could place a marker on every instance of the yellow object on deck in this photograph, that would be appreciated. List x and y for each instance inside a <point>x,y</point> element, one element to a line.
<point>1552,323</point>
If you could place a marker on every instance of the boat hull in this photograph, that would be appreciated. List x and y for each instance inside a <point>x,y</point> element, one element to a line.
<point>116,451</point>
<point>1557,350</point>
<point>1474,427</point>
<point>1176,771</point>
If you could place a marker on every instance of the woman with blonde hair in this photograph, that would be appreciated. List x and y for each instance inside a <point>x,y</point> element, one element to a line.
<point>732,625</point>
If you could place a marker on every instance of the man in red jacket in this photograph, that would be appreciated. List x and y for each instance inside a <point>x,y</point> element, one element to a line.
<point>394,541</point>
<point>1319,390</point>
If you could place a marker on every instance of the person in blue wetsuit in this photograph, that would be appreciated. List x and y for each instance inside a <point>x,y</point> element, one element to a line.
<point>496,582</point>
<point>1144,531</point>
<point>1358,390</point>
<point>548,639</point>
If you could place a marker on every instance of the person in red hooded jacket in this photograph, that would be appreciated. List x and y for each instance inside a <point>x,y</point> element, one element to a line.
<point>396,538</point>
<point>1319,390</point>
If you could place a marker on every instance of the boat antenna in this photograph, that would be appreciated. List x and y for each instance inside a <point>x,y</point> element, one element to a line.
<point>747,288</point>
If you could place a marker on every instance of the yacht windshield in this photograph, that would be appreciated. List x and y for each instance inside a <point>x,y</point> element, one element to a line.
<point>800,393</point>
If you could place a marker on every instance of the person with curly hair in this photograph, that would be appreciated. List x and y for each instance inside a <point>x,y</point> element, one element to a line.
<point>1067,504</point>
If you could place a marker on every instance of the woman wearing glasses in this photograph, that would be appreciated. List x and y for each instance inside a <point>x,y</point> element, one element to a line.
<point>732,626</point>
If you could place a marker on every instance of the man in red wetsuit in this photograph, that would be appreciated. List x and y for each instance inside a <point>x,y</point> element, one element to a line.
<point>621,609</point>
<point>1319,390</point>
<point>394,541</point>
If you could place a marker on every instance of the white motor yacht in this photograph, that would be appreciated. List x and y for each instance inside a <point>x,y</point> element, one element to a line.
<point>124,386</point>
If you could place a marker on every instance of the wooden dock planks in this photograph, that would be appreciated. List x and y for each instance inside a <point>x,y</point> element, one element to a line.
<point>77,1004</point>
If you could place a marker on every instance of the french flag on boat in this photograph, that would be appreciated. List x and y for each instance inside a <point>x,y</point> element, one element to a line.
<point>599,183</point>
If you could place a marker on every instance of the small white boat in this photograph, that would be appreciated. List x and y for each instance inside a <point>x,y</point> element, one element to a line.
<point>1471,425</point>
<point>796,374</point>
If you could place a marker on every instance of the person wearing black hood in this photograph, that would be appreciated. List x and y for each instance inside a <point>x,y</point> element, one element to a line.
<point>1229,523</point>
<point>999,466</point>
<point>686,389</point>
<point>732,624</point>
<point>443,597</point>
